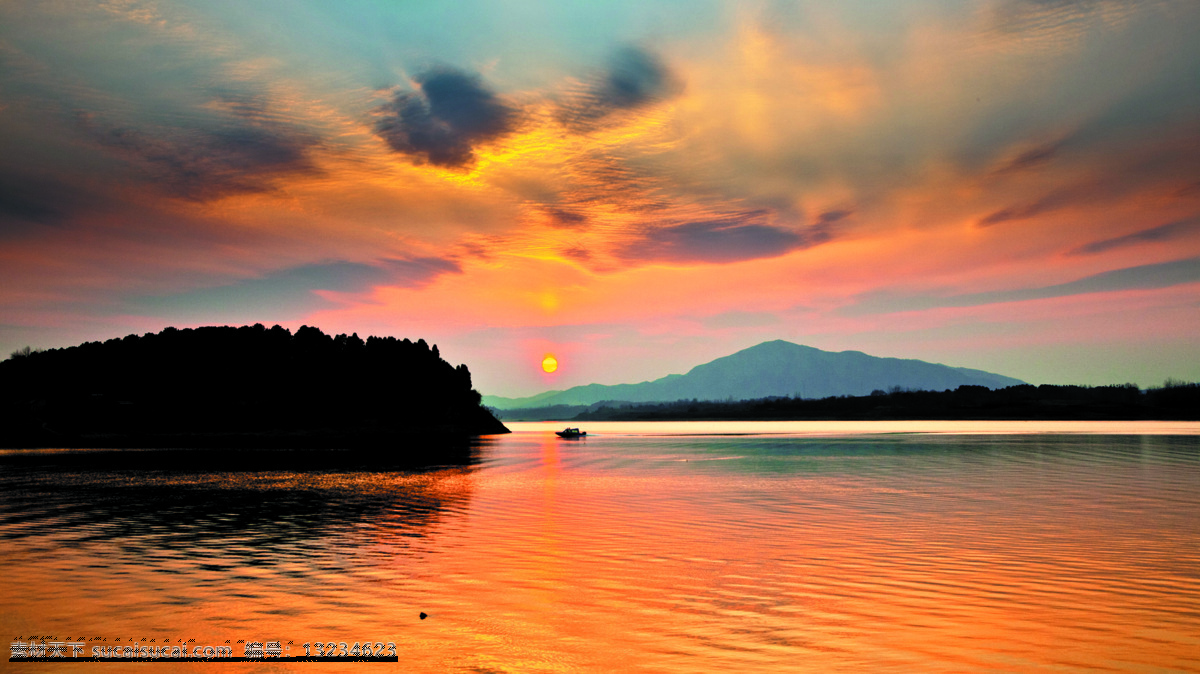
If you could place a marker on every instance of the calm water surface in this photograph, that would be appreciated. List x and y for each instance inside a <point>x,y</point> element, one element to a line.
<point>657,547</point>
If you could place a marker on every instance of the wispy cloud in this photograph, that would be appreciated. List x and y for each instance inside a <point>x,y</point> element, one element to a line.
<point>171,159</point>
<point>1142,277</point>
<point>1055,21</point>
<point>414,272</point>
<point>209,161</point>
<point>1167,232</point>
<point>1032,158</point>
<point>288,294</point>
<point>1028,210</point>
<point>715,241</point>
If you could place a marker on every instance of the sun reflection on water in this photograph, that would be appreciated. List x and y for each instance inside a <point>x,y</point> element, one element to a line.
<point>660,552</point>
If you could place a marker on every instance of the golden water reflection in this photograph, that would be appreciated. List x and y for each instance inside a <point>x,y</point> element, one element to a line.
<point>858,428</point>
<point>680,553</point>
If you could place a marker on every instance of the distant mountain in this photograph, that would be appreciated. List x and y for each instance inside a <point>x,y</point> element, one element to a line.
<point>775,368</point>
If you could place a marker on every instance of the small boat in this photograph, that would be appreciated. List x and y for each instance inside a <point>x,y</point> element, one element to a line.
<point>570,433</point>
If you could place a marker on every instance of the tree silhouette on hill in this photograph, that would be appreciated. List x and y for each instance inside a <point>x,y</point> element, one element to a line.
<point>230,386</point>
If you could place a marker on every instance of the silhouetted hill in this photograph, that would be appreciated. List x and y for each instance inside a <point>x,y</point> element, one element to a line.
<point>775,368</point>
<point>239,387</point>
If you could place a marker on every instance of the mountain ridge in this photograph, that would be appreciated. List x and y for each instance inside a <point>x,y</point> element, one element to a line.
<point>772,368</point>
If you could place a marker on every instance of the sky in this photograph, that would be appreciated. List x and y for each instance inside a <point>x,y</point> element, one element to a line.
<point>635,187</point>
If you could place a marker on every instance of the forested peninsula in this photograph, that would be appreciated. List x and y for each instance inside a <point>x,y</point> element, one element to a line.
<point>244,387</point>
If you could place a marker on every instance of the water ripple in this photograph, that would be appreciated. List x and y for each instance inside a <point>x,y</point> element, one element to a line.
<point>657,552</point>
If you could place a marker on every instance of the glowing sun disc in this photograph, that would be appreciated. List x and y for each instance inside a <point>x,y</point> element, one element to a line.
<point>549,363</point>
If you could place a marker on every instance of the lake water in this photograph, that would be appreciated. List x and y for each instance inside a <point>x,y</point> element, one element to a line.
<point>922,546</point>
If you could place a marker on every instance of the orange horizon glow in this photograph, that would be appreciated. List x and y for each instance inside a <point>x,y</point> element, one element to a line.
<point>771,177</point>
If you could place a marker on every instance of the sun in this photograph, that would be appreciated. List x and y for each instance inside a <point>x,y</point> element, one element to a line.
<point>549,363</point>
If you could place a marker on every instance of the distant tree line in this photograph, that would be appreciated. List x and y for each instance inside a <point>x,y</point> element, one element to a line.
<point>1174,401</point>
<point>233,386</point>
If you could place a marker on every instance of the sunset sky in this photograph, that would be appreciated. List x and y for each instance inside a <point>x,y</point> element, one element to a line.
<point>633,187</point>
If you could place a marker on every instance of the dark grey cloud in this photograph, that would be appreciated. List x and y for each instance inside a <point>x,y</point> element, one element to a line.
<point>1167,232</point>
<point>830,217</point>
<point>1032,158</point>
<point>480,250</point>
<point>31,201</point>
<point>288,293</point>
<point>716,241</point>
<point>246,105</point>
<point>204,163</point>
<point>564,218</point>
<point>445,119</point>
<point>633,78</point>
<point>1144,277</point>
<point>578,253</point>
<point>1154,163</point>
<point>1050,202</point>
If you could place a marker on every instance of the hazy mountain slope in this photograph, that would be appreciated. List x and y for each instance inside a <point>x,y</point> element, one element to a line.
<point>775,368</point>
